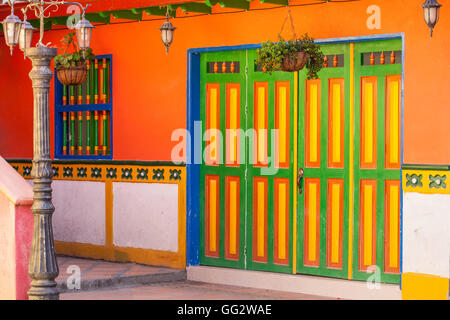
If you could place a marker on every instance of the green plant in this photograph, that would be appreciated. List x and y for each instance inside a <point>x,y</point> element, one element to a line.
<point>76,58</point>
<point>271,54</point>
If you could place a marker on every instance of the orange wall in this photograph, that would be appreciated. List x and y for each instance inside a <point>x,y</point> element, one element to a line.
<point>150,86</point>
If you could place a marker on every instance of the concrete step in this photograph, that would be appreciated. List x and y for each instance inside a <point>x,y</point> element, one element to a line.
<point>100,274</point>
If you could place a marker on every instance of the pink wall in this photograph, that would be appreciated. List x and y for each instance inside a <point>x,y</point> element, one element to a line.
<point>16,231</point>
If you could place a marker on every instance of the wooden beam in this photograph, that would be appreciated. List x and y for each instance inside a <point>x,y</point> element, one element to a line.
<point>191,7</point>
<point>235,4</point>
<point>97,18</point>
<point>127,14</point>
<point>281,2</point>
<point>160,11</point>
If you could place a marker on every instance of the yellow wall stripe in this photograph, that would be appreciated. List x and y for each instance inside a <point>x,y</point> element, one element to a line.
<point>109,197</point>
<point>282,221</point>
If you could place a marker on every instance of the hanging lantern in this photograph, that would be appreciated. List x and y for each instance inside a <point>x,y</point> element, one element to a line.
<point>11,27</point>
<point>431,13</point>
<point>26,35</point>
<point>167,30</point>
<point>84,33</point>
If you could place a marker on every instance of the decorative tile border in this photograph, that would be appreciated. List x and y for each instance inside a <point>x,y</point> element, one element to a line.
<point>110,171</point>
<point>426,181</point>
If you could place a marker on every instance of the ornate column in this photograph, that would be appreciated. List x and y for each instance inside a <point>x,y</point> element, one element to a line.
<point>43,267</point>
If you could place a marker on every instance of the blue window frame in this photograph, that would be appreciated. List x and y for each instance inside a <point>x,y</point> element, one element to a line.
<point>84,114</point>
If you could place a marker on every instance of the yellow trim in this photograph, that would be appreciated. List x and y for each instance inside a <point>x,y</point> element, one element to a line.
<point>282,123</point>
<point>425,188</point>
<point>335,219</point>
<point>350,198</point>
<point>394,130</point>
<point>394,212</point>
<point>368,215</point>
<point>213,123</point>
<point>417,286</point>
<point>212,214</point>
<point>262,124</point>
<point>282,221</point>
<point>368,123</point>
<point>260,212</point>
<point>312,219</point>
<point>233,224</point>
<point>294,182</point>
<point>108,251</point>
<point>336,123</point>
<point>313,123</point>
<point>120,254</point>
<point>233,124</point>
<point>104,167</point>
<point>109,198</point>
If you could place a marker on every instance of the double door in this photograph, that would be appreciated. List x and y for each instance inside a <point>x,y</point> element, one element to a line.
<point>287,184</point>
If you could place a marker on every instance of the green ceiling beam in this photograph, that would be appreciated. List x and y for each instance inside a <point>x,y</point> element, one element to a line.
<point>160,11</point>
<point>191,7</point>
<point>105,14</point>
<point>127,14</point>
<point>282,2</point>
<point>97,18</point>
<point>59,21</point>
<point>235,4</point>
<point>36,23</point>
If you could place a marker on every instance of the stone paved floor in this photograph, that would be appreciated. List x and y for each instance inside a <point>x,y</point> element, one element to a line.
<point>174,290</point>
<point>186,290</point>
<point>99,269</point>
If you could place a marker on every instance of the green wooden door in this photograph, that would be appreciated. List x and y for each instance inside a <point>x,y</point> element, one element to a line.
<point>324,158</point>
<point>270,113</point>
<point>245,182</point>
<point>377,162</point>
<point>348,149</point>
<point>222,174</point>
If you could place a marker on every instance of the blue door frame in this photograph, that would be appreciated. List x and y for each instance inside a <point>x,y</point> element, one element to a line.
<point>193,114</point>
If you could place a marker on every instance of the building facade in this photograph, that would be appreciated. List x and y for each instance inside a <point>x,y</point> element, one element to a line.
<point>353,185</point>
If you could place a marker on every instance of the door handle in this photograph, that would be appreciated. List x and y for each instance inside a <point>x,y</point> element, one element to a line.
<point>299,180</point>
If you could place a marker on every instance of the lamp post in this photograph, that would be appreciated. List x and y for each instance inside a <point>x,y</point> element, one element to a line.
<point>43,267</point>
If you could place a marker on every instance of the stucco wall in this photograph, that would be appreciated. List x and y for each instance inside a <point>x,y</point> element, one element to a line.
<point>150,86</point>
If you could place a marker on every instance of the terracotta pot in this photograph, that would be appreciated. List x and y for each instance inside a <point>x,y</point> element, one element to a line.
<point>72,76</point>
<point>296,62</point>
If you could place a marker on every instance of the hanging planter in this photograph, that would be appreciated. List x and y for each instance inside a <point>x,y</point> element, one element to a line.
<point>72,75</point>
<point>71,68</point>
<point>292,55</point>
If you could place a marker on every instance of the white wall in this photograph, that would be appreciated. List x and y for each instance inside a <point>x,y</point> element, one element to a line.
<point>146,215</point>
<point>79,211</point>
<point>426,233</point>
